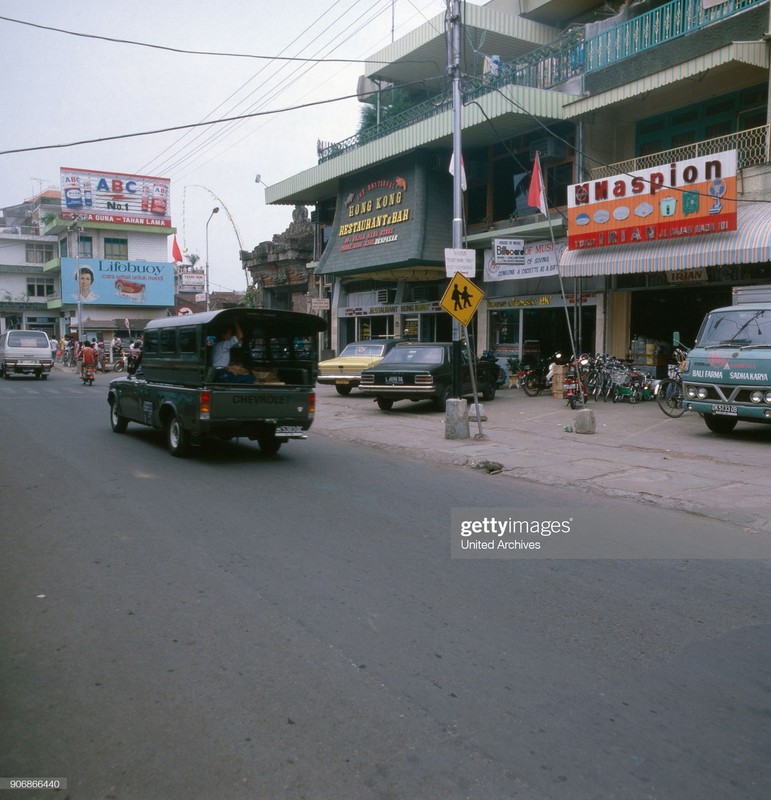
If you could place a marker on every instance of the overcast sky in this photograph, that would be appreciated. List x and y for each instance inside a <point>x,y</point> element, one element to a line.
<point>59,89</point>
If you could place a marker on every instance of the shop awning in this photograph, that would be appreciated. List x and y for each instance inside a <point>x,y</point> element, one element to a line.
<point>750,243</point>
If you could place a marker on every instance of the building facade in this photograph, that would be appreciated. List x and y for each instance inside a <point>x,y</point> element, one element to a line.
<point>598,90</point>
<point>25,287</point>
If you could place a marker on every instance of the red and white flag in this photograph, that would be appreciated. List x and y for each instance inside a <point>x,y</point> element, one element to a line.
<point>463,183</point>
<point>535,194</point>
<point>176,253</point>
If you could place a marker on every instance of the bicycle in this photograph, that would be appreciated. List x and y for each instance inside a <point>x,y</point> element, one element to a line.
<point>670,395</point>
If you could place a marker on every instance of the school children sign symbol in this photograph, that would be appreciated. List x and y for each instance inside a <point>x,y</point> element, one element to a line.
<point>461,298</point>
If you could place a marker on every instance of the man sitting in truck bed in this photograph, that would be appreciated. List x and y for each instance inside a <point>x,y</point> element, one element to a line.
<point>224,373</point>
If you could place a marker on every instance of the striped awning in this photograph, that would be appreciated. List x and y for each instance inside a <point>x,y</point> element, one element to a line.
<point>750,243</point>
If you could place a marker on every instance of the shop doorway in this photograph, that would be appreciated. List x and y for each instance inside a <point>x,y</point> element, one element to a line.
<point>657,315</point>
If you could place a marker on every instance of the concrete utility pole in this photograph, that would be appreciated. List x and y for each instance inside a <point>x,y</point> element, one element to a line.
<point>453,67</point>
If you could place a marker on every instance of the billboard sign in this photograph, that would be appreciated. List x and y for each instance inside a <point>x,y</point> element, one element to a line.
<point>675,201</point>
<point>531,260</point>
<point>103,282</point>
<point>115,197</point>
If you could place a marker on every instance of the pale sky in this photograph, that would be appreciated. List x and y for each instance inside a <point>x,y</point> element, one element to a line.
<point>59,89</point>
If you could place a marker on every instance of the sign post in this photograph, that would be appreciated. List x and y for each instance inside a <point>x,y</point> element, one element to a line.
<point>461,299</point>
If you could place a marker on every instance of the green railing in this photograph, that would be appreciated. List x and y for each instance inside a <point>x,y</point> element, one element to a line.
<point>554,64</point>
<point>653,28</point>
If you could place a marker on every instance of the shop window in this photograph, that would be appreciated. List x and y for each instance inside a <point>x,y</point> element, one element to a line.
<point>86,247</point>
<point>40,287</point>
<point>116,249</point>
<point>39,253</point>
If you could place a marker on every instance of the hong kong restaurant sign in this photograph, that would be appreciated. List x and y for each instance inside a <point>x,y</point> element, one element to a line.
<point>682,199</point>
<point>384,220</point>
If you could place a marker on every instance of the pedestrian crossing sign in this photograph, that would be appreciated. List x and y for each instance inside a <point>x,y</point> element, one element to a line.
<point>461,298</point>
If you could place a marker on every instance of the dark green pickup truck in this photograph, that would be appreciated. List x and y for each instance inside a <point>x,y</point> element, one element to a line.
<point>266,394</point>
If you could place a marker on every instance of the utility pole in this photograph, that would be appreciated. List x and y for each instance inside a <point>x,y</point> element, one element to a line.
<point>453,67</point>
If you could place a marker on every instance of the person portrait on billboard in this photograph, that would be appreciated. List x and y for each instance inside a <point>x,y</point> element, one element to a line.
<point>85,278</point>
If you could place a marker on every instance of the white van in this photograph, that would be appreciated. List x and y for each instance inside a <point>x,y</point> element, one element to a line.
<point>25,353</point>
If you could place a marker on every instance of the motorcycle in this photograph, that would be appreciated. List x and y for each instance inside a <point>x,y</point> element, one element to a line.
<point>88,374</point>
<point>488,355</point>
<point>535,380</point>
<point>574,387</point>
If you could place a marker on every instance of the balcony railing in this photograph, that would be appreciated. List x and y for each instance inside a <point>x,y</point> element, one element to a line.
<point>676,18</point>
<point>554,64</point>
<point>752,149</point>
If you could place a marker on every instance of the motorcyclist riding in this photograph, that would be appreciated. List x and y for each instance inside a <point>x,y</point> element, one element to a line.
<point>87,357</point>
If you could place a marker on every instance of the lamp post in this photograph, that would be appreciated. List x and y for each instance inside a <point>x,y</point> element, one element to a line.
<point>214,211</point>
<point>76,230</point>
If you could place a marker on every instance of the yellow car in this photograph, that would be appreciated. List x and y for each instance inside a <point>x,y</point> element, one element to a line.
<point>344,372</point>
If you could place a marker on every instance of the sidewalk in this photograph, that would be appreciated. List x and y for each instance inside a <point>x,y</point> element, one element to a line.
<point>636,452</point>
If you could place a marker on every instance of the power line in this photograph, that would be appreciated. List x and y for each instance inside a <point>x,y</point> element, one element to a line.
<point>194,124</point>
<point>182,51</point>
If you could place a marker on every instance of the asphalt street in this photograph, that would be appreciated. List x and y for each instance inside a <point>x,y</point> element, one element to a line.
<point>636,451</point>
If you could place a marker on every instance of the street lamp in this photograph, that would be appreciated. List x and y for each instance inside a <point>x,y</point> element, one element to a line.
<point>76,230</point>
<point>214,211</point>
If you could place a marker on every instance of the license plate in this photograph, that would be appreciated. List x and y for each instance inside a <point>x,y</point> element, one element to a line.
<point>394,379</point>
<point>342,381</point>
<point>28,363</point>
<point>724,409</point>
<point>288,430</point>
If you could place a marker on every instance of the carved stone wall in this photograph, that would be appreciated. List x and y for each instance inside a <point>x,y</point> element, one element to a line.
<point>279,267</point>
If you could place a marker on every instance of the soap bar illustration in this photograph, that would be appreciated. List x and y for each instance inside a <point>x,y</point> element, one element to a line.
<point>129,290</point>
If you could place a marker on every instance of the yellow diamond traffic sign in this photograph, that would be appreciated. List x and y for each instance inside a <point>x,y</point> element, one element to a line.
<point>461,298</point>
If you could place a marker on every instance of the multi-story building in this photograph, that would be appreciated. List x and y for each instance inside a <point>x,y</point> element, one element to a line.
<point>25,287</point>
<point>598,89</point>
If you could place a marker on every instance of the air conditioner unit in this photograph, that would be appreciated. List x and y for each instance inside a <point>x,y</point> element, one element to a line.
<point>552,150</point>
<point>386,295</point>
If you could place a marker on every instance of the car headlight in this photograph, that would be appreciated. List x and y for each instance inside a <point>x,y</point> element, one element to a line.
<point>691,392</point>
<point>701,393</point>
<point>756,396</point>
<point>767,397</point>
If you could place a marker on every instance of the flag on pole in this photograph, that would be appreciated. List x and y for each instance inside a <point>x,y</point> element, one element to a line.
<point>176,253</point>
<point>535,194</point>
<point>463,184</point>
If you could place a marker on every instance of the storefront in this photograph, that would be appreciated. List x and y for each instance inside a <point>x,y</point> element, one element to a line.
<point>670,243</point>
<point>384,263</point>
<point>659,289</point>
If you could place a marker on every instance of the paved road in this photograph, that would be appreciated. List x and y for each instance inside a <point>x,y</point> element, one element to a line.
<point>636,452</point>
<point>239,626</point>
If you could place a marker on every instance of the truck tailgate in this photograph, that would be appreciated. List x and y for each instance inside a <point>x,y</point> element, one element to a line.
<point>255,402</point>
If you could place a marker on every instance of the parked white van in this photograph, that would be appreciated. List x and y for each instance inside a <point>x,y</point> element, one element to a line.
<point>25,353</point>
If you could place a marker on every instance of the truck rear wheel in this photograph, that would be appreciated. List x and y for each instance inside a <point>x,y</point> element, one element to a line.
<point>720,424</point>
<point>177,438</point>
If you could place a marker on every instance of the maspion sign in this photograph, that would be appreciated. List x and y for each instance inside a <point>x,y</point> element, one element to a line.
<point>681,199</point>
